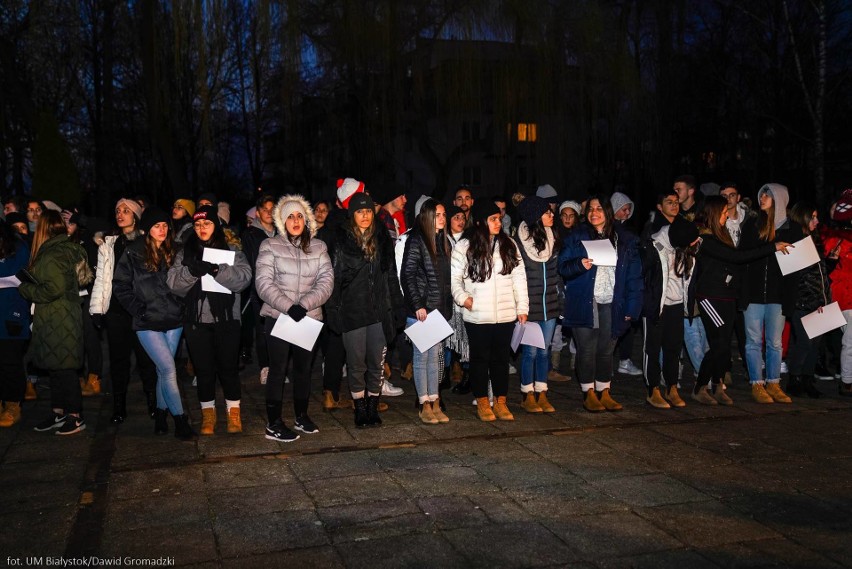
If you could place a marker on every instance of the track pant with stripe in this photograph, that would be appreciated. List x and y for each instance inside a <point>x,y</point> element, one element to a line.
<point>666,334</point>
<point>719,318</point>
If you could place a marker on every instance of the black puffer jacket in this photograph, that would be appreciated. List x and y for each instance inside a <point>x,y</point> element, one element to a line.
<point>145,294</point>
<point>425,284</point>
<point>365,292</point>
<point>544,284</point>
<point>763,282</point>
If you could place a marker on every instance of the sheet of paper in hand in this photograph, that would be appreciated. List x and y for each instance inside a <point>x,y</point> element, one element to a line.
<point>601,252</point>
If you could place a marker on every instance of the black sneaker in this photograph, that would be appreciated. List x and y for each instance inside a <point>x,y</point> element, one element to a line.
<point>72,426</point>
<point>305,425</point>
<point>54,422</point>
<point>278,431</point>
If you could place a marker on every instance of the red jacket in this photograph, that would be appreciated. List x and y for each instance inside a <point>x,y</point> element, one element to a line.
<point>841,277</point>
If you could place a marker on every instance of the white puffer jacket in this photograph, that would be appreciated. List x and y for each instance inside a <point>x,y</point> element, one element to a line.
<point>499,299</point>
<point>102,289</point>
<point>285,275</point>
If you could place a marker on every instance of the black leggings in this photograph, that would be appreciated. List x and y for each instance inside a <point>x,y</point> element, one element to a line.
<point>122,340</point>
<point>666,334</point>
<point>215,352</point>
<point>489,357</point>
<point>13,376</point>
<point>719,318</point>
<point>279,354</point>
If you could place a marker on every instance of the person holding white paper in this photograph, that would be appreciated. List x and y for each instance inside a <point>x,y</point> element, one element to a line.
<point>425,280</point>
<point>716,290</point>
<point>489,282</point>
<point>540,252</point>
<point>293,276</point>
<point>838,257</point>
<point>766,291</point>
<point>14,326</point>
<point>812,291</point>
<point>600,301</point>
<point>212,319</point>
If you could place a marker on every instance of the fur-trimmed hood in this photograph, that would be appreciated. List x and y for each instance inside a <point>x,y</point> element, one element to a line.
<point>286,203</point>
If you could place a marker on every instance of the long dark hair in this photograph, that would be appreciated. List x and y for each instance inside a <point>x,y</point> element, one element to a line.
<point>766,222</point>
<point>8,240</point>
<point>480,261</point>
<point>155,256</point>
<point>609,216</point>
<point>426,224</point>
<point>685,260</point>
<point>366,241</point>
<point>803,213</point>
<point>708,221</point>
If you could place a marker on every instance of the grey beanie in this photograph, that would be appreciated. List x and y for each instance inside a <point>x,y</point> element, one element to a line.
<point>619,200</point>
<point>419,204</point>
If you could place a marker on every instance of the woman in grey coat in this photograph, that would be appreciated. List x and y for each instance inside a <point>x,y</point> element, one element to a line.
<point>293,276</point>
<point>212,319</point>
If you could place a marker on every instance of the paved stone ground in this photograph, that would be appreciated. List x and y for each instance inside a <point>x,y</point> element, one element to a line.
<point>744,486</point>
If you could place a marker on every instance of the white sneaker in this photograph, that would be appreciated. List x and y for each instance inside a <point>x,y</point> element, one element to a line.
<point>784,367</point>
<point>627,367</point>
<point>264,373</point>
<point>388,390</point>
<point>286,379</point>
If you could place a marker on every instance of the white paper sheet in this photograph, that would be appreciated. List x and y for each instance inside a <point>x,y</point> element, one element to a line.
<point>529,334</point>
<point>219,257</point>
<point>303,333</point>
<point>601,252</point>
<point>803,254</point>
<point>816,323</point>
<point>9,282</point>
<point>426,334</point>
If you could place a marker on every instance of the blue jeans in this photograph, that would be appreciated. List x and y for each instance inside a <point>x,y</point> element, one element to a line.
<point>695,339</point>
<point>763,321</point>
<point>426,368</point>
<point>535,362</point>
<point>161,348</point>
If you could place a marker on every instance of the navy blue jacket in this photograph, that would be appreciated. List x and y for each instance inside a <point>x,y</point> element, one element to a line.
<point>14,310</point>
<point>580,283</point>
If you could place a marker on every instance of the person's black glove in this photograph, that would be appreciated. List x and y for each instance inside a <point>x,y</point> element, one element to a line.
<point>196,268</point>
<point>297,312</point>
<point>98,321</point>
<point>211,269</point>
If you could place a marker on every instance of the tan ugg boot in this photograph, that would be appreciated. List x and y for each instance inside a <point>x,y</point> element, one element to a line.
<point>703,396</point>
<point>235,421</point>
<point>483,410</point>
<point>721,396</point>
<point>591,403</point>
<point>608,402</point>
<point>30,394</point>
<point>529,404</point>
<point>456,372</point>
<point>545,405</point>
<point>408,373</point>
<point>208,420</point>
<point>656,400</point>
<point>501,410</point>
<point>92,385</point>
<point>10,415</point>
<point>439,414</point>
<point>673,397</point>
<point>426,414</point>
<point>777,395</point>
<point>759,394</point>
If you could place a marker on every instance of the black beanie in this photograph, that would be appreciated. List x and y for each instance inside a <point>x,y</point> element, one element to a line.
<point>207,212</point>
<point>360,201</point>
<point>152,216</point>
<point>532,208</point>
<point>482,210</point>
<point>682,232</point>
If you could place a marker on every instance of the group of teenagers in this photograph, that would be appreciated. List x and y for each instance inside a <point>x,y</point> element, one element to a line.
<point>703,269</point>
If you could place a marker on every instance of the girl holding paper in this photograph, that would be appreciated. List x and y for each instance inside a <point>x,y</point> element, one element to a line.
<point>716,289</point>
<point>766,293</point>
<point>540,252</point>
<point>293,277</point>
<point>489,281</point>
<point>425,280</point>
<point>212,319</point>
<point>600,301</point>
<point>812,292</point>
<point>140,286</point>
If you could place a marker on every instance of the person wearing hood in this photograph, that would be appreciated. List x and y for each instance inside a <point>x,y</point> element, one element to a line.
<point>622,208</point>
<point>262,228</point>
<point>767,293</point>
<point>539,249</point>
<point>212,318</point>
<point>667,270</point>
<point>294,276</point>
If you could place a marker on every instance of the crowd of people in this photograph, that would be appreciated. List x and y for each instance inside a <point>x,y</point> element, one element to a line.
<point>190,286</point>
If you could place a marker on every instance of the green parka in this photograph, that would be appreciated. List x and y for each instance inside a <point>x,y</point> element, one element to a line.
<point>57,338</point>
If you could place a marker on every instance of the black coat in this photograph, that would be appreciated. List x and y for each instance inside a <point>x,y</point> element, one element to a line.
<point>365,291</point>
<point>425,284</point>
<point>145,294</point>
<point>763,282</point>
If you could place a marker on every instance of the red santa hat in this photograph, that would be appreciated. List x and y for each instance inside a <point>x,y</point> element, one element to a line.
<point>346,188</point>
<point>842,209</point>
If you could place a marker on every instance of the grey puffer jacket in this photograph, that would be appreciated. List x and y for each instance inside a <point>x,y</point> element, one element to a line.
<point>234,277</point>
<point>285,275</point>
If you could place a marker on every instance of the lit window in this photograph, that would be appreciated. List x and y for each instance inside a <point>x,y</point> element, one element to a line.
<point>527,132</point>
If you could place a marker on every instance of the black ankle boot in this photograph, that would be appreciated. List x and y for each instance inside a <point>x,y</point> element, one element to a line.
<point>373,419</point>
<point>463,387</point>
<point>151,400</point>
<point>794,385</point>
<point>119,408</point>
<point>183,430</point>
<point>808,384</point>
<point>360,412</point>
<point>161,427</point>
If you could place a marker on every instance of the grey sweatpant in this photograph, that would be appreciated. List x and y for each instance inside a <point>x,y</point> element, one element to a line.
<point>365,359</point>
